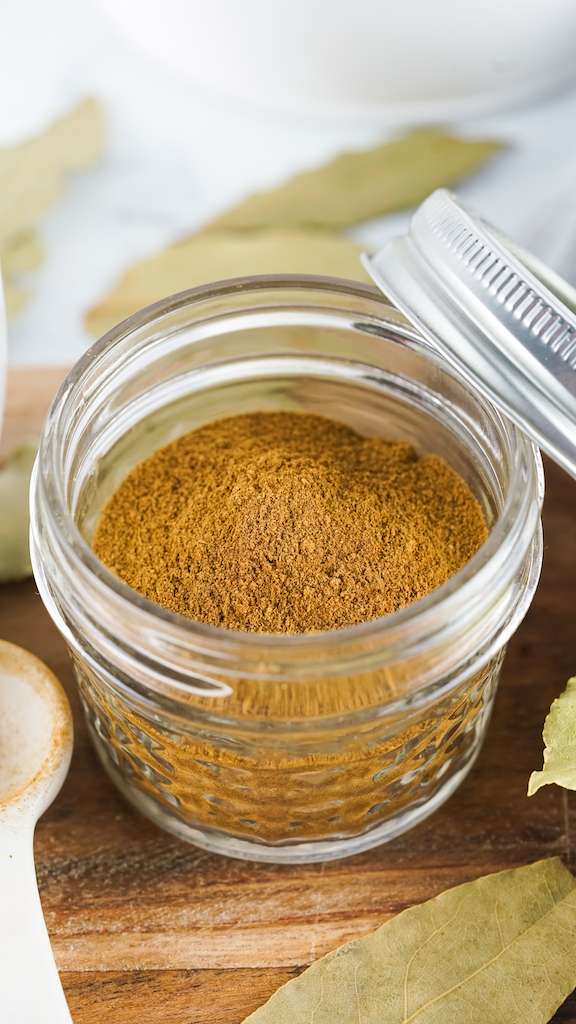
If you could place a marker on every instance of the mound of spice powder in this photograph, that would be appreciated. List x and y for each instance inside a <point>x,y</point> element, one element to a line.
<point>284,522</point>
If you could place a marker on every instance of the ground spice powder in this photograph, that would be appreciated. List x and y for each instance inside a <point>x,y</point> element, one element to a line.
<point>284,522</point>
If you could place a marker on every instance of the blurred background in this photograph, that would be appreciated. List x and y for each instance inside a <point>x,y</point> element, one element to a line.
<point>205,103</point>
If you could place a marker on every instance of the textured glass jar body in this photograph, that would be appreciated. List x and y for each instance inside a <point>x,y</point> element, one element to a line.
<point>281,748</point>
<point>341,793</point>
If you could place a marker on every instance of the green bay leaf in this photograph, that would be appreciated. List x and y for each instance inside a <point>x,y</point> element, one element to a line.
<point>361,185</point>
<point>203,259</point>
<point>500,950</point>
<point>14,516</point>
<point>559,735</point>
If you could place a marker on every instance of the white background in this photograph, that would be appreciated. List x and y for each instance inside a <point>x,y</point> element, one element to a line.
<point>177,154</point>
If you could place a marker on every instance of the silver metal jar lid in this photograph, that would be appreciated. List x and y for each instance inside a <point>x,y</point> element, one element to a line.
<point>505,321</point>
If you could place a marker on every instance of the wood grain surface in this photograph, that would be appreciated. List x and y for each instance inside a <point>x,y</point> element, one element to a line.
<point>148,930</point>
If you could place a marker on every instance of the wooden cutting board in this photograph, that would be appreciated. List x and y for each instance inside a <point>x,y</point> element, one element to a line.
<point>148,930</point>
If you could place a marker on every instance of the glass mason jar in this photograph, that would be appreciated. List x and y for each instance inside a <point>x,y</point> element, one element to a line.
<point>280,747</point>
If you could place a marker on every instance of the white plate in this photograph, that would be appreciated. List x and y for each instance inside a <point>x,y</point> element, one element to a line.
<point>412,60</point>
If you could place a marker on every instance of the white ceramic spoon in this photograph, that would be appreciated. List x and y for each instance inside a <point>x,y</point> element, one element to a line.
<point>35,751</point>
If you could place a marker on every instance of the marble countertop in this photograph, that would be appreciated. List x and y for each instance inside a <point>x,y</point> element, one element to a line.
<point>176,155</point>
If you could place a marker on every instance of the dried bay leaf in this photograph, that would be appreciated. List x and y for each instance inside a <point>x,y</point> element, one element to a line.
<point>14,516</point>
<point>560,743</point>
<point>500,950</point>
<point>14,297</point>
<point>32,174</point>
<point>287,230</point>
<point>18,255</point>
<point>205,258</point>
<point>21,253</point>
<point>359,186</point>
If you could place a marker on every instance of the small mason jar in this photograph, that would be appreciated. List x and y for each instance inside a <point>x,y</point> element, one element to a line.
<point>281,748</point>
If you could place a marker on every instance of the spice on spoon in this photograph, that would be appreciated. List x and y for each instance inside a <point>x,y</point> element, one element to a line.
<point>285,522</point>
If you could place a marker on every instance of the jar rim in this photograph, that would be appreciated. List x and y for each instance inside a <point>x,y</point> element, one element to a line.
<point>230,642</point>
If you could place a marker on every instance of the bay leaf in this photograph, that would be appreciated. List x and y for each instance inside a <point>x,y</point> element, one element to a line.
<point>205,258</point>
<point>14,515</point>
<point>21,253</point>
<point>560,743</point>
<point>500,950</point>
<point>32,174</point>
<point>15,297</point>
<point>364,184</point>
